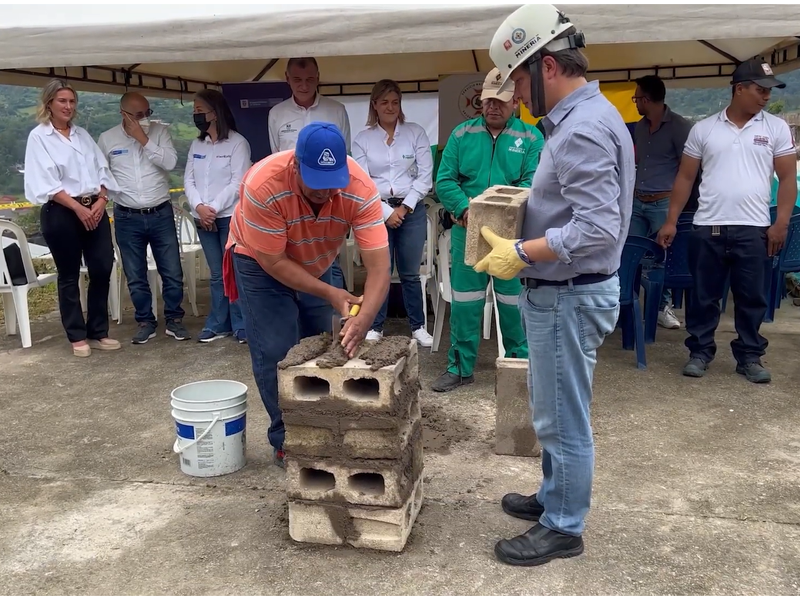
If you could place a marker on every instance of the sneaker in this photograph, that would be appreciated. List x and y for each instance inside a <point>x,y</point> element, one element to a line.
<point>209,336</point>
<point>374,336</point>
<point>667,319</point>
<point>241,337</point>
<point>177,330</point>
<point>755,372</point>
<point>696,367</point>
<point>448,381</point>
<point>423,338</point>
<point>278,457</point>
<point>145,333</point>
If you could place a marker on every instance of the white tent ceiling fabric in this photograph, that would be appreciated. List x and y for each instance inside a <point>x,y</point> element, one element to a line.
<point>187,47</point>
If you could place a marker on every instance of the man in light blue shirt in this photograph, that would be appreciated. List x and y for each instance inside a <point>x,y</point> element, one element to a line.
<point>575,227</point>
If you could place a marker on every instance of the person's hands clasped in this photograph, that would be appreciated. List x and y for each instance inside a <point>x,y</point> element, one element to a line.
<point>207,216</point>
<point>396,218</point>
<point>464,219</point>
<point>86,216</point>
<point>98,209</point>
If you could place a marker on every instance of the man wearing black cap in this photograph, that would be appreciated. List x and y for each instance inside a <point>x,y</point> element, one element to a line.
<point>739,149</point>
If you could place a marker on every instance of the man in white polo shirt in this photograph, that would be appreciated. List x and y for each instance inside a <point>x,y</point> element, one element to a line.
<point>305,106</point>
<point>739,149</point>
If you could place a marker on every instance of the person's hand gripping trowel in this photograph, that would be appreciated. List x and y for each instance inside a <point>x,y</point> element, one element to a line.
<point>350,329</point>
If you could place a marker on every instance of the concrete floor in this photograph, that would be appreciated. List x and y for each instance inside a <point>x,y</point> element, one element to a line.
<point>696,489</point>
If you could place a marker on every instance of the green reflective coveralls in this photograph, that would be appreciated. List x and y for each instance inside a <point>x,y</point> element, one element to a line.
<point>473,161</point>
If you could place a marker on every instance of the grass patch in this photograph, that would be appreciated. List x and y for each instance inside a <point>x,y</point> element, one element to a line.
<point>43,300</point>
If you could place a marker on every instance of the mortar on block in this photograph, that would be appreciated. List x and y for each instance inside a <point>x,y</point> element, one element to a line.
<point>501,208</point>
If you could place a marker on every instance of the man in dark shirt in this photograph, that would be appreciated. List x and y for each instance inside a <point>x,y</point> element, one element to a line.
<point>659,138</point>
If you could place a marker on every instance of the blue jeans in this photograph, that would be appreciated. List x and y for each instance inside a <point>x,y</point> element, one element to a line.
<point>134,231</point>
<point>647,218</point>
<point>406,244</point>
<point>224,316</point>
<point>565,326</point>
<point>276,318</point>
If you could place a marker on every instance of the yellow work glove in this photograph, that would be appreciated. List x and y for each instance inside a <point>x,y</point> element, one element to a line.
<point>503,261</point>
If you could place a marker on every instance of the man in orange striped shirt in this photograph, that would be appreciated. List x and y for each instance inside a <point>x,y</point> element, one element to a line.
<point>294,211</point>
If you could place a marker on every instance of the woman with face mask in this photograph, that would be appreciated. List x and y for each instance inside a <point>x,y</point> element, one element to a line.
<point>217,162</point>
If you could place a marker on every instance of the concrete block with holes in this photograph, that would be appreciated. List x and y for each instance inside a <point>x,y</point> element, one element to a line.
<point>354,456</point>
<point>371,527</point>
<point>501,208</point>
<point>514,433</point>
<point>354,386</point>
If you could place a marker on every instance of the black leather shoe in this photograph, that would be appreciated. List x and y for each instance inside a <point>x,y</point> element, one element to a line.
<point>522,507</point>
<point>538,546</point>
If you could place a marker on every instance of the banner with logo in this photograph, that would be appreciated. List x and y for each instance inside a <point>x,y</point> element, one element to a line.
<point>250,104</point>
<point>460,100</point>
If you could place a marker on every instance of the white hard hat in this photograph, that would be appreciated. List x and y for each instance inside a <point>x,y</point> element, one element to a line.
<point>525,32</point>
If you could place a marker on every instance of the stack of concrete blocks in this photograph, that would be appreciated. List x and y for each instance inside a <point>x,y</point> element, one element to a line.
<point>353,447</point>
<point>514,433</point>
<point>501,208</point>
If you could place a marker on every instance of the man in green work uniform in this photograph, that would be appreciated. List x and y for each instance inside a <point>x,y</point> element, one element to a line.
<point>497,148</point>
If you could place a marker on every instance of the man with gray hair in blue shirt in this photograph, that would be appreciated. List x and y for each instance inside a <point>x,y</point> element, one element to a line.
<point>575,227</point>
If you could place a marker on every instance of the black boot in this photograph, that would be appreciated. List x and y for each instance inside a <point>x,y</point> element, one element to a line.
<point>448,381</point>
<point>522,507</point>
<point>537,546</point>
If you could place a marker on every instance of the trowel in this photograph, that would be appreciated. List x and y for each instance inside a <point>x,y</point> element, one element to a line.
<point>339,323</point>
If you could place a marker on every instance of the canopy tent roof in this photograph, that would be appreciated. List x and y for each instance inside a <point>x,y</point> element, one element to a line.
<point>178,49</point>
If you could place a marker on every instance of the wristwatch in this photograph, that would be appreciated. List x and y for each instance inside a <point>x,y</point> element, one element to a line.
<point>521,253</point>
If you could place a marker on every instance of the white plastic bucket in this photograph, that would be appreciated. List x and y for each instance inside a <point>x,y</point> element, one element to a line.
<point>210,422</point>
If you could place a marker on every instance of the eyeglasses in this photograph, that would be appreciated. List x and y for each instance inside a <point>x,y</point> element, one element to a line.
<point>635,98</point>
<point>140,115</point>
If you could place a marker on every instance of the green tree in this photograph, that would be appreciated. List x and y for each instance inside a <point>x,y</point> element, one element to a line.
<point>776,107</point>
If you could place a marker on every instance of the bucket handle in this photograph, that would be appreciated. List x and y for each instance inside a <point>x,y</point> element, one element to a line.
<point>177,449</point>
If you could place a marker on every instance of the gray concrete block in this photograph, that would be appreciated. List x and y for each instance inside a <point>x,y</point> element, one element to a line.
<point>502,209</point>
<point>367,482</point>
<point>514,434</point>
<point>359,526</point>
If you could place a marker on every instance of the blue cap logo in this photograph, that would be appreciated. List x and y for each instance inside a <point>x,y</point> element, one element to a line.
<point>322,153</point>
<point>326,159</point>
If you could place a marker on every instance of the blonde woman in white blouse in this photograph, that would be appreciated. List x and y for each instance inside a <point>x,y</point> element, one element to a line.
<point>67,174</point>
<point>397,156</point>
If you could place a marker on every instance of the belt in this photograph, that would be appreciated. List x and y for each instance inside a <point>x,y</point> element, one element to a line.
<point>86,200</point>
<point>143,211</point>
<point>585,279</point>
<point>646,198</point>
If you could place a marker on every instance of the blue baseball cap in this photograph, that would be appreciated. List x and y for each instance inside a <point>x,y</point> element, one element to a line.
<point>322,154</point>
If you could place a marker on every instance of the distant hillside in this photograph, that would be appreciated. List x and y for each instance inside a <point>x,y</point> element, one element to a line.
<point>96,112</point>
<point>99,112</point>
<point>702,102</point>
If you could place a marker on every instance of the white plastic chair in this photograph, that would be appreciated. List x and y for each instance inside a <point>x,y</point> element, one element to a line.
<point>15,297</point>
<point>444,295</point>
<point>489,308</point>
<point>191,250</point>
